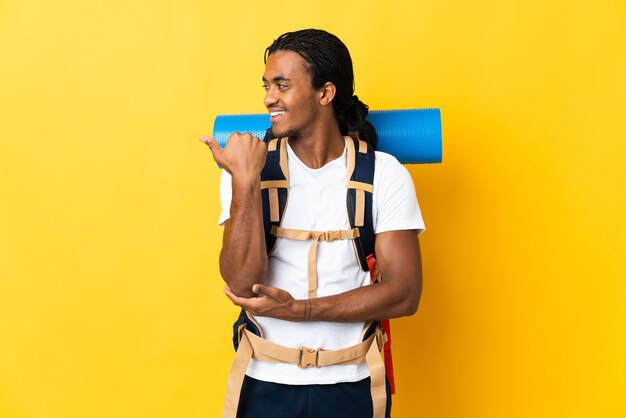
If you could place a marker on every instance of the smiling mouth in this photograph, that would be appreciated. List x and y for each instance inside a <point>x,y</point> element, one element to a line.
<point>277,113</point>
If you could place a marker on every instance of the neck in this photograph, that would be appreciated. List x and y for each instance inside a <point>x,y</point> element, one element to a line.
<point>322,145</point>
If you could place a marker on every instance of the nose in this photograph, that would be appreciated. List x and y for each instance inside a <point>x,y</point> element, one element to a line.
<point>270,98</point>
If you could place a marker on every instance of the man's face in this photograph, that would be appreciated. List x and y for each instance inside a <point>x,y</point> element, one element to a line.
<point>290,99</point>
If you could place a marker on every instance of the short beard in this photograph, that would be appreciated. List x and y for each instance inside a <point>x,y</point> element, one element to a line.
<point>289,133</point>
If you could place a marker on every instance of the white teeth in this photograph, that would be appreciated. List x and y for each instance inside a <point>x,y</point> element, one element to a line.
<point>280,112</point>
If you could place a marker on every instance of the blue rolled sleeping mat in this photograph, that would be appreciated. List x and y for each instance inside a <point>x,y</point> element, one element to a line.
<point>413,136</point>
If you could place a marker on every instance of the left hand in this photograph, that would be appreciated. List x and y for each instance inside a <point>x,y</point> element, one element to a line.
<point>271,302</point>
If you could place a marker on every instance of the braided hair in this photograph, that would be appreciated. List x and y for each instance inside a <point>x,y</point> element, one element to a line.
<point>328,59</point>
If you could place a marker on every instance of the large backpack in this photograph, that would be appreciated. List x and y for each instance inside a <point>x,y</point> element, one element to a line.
<point>360,186</point>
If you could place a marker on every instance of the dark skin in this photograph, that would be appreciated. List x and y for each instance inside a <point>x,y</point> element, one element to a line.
<point>310,123</point>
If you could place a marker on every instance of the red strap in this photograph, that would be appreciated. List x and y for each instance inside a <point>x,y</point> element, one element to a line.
<point>388,358</point>
<point>371,264</point>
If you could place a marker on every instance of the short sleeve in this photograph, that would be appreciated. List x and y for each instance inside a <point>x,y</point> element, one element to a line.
<point>395,202</point>
<point>226,195</point>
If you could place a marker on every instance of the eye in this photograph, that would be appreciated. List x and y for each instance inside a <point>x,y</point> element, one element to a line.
<point>265,87</point>
<point>282,87</point>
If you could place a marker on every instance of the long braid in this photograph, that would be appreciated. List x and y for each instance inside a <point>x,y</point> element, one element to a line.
<point>328,59</point>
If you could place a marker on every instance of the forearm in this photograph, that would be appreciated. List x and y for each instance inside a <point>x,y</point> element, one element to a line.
<point>243,259</point>
<point>398,294</point>
<point>373,302</point>
<point>378,301</point>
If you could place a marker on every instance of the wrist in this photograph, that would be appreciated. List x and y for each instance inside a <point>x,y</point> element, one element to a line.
<point>246,181</point>
<point>306,310</point>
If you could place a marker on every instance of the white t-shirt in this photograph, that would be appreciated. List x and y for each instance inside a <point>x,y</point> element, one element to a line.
<point>317,202</point>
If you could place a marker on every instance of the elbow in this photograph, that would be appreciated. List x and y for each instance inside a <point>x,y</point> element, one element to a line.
<point>241,290</point>
<point>413,307</point>
<point>409,306</point>
<point>410,301</point>
<point>240,280</point>
<point>241,284</point>
<point>404,305</point>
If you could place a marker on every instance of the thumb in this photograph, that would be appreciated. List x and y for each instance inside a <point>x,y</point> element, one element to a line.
<point>259,289</point>
<point>270,292</point>
<point>214,146</point>
<point>262,290</point>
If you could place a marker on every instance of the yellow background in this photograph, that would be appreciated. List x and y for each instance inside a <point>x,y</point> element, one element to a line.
<point>111,303</point>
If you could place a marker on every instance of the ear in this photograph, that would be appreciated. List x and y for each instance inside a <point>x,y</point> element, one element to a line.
<point>327,93</point>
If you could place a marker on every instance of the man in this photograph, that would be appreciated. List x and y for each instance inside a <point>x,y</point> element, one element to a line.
<point>309,83</point>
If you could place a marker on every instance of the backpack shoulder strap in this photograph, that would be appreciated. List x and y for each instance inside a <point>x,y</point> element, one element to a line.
<point>274,188</point>
<point>360,183</point>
